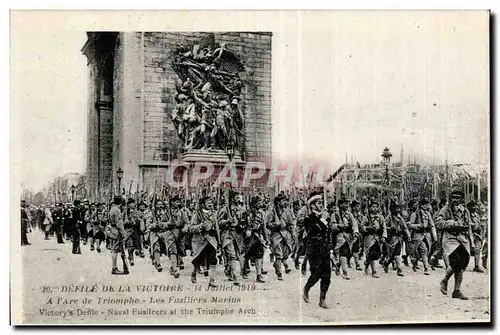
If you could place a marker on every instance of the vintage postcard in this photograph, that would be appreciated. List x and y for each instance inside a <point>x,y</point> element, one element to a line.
<point>250,168</point>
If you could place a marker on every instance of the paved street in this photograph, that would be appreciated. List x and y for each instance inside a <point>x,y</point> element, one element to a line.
<point>50,269</point>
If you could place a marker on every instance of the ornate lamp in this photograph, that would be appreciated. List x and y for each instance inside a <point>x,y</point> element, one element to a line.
<point>119,175</point>
<point>386,156</point>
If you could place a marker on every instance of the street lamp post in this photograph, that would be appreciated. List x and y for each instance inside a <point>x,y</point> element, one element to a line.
<point>386,156</point>
<point>119,175</point>
<point>73,193</point>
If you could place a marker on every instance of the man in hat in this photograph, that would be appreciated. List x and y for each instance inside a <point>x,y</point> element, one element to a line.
<point>358,242</point>
<point>24,224</point>
<point>345,232</point>
<point>455,221</point>
<point>397,232</point>
<point>48,222</point>
<point>477,234</point>
<point>141,212</point>
<point>302,214</point>
<point>204,228</point>
<point>423,232</point>
<point>255,241</point>
<point>115,232</point>
<point>280,223</point>
<point>412,208</point>
<point>91,229</point>
<point>318,249</point>
<point>58,222</point>
<point>177,219</point>
<point>132,224</point>
<point>157,226</point>
<point>232,222</point>
<point>76,222</point>
<point>373,230</point>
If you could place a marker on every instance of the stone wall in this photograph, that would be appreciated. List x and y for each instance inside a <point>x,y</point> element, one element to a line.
<point>160,140</point>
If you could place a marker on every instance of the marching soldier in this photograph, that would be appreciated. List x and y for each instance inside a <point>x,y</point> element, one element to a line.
<point>280,223</point>
<point>302,214</point>
<point>484,223</point>
<point>423,233</point>
<point>455,222</point>
<point>68,221</point>
<point>77,221</point>
<point>255,241</point>
<point>204,228</point>
<point>58,222</point>
<point>318,249</point>
<point>141,229</point>
<point>231,221</point>
<point>116,234</point>
<point>24,224</point>
<point>477,234</point>
<point>345,230</point>
<point>358,243</point>
<point>48,222</point>
<point>373,232</point>
<point>177,219</point>
<point>132,226</point>
<point>91,229</point>
<point>85,208</point>
<point>157,227</point>
<point>100,220</point>
<point>397,233</point>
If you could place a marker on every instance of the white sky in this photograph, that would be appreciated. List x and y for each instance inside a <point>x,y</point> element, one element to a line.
<point>361,81</point>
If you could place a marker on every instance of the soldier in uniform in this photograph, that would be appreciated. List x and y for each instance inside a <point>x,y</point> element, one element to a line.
<point>280,223</point>
<point>115,232</point>
<point>302,214</point>
<point>68,219</point>
<point>345,232</point>
<point>358,243</point>
<point>100,220</point>
<point>157,226</point>
<point>232,223</point>
<point>139,231</point>
<point>177,219</point>
<point>397,233</point>
<point>454,220</point>
<point>318,249</point>
<point>58,222</point>
<point>85,221</point>
<point>483,212</point>
<point>373,231</point>
<point>90,225</point>
<point>477,234</point>
<point>437,252</point>
<point>132,225</point>
<point>48,222</point>
<point>204,228</point>
<point>423,232</point>
<point>24,224</point>
<point>77,221</point>
<point>255,241</point>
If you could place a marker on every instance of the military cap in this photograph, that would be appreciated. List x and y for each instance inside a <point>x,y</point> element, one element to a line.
<point>280,197</point>
<point>76,202</point>
<point>175,198</point>
<point>255,200</point>
<point>457,194</point>
<point>313,197</point>
<point>412,202</point>
<point>130,202</point>
<point>343,200</point>
<point>355,203</point>
<point>60,204</point>
<point>424,201</point>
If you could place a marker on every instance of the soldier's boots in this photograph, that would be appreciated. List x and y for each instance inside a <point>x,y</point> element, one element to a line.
<point>125,270</point>
<point>211,282</point>
<point>400,272</point>
<point>158,267</point>
<point>92,247</point>
<point>305,295</point>
<point>260,279</point>
<point>322,302</point>
<point>174,272</point>
<point>459,295</point>
<point>287,268</point>
<point>405,261</point>
<point>193,277</point>
<point>115,271</point>
<point>443,287</point>
<point>479,269</point>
